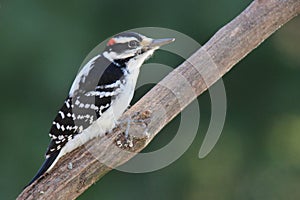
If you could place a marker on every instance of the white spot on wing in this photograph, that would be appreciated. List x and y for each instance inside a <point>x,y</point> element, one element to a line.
<point>112,85</point>
<point>94,107</point>
<point>57,126</point>
<point>60,137</point>
<point>62,114</point>
<point>77,102</point>
<point>103,94</point>
<point>57,141</point>
<point>67,103</point>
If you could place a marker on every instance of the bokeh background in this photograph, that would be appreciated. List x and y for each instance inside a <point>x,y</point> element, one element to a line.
<point>43,43</point>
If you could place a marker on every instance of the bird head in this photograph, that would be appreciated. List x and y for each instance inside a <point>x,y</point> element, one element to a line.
<point>132,45</point>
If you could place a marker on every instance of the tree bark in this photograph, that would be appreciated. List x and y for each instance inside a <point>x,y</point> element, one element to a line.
<point>79,169</point>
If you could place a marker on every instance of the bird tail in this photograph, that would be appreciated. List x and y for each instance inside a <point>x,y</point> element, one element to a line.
<point>46,165</point>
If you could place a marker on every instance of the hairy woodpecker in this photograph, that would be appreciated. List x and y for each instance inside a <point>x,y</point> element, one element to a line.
<point>99,95</point>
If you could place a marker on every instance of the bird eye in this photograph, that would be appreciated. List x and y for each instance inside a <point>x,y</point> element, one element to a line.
<point>132,44</point>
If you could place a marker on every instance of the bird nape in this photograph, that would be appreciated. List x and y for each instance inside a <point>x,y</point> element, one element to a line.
<point>99,95</point>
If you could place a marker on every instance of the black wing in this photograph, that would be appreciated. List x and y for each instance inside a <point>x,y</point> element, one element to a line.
<point>94,95</point>
<point>83,107</point>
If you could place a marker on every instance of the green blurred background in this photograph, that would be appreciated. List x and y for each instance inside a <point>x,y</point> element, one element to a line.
<point>43,43</point>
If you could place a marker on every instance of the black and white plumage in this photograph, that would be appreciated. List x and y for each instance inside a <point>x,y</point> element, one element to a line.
<point>99,95</point>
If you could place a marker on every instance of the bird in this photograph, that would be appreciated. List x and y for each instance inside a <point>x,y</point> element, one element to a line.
<point>100,93</point>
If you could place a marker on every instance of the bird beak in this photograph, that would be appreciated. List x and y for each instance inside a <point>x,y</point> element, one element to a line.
<point>156,43</point>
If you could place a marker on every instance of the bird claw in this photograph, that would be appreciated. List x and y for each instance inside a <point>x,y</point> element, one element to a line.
<point>124,141</point>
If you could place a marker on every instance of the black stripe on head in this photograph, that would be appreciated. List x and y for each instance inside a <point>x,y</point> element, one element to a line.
<point>124,41</point>
<point>119,48</point>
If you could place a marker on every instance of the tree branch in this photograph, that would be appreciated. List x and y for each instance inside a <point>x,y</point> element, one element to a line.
<point>79,169</point>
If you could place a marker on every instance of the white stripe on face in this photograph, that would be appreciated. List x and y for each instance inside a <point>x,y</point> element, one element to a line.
<point>124,39</point>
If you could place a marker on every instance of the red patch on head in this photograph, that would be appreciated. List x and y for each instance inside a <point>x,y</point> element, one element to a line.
<point>111,42</point>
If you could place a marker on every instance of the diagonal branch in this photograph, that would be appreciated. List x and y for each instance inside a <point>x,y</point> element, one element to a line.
<point>79,169</point>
